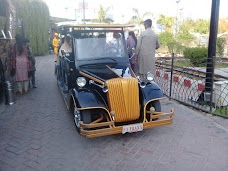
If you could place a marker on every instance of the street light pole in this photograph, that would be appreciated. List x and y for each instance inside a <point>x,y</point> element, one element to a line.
<point>84,11</point>
<point>177,1</point>
<point>180,16</point>
<point>212,50</point>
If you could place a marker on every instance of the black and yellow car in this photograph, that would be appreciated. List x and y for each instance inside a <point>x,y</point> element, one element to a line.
<point>99,86</point>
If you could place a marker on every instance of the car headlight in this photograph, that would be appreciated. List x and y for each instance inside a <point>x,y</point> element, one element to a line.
<point>150,76</point>
<point>81,81</point>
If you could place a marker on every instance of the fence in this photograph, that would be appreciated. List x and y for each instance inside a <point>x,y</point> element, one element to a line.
<point>187,84</point>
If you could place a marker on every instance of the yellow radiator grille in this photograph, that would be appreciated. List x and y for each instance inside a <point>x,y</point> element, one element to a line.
<point>123,97</point>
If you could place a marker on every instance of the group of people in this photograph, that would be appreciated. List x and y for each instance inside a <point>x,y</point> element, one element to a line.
<point>143,60</point>
<point>67,46</point>
<point>22,64</point>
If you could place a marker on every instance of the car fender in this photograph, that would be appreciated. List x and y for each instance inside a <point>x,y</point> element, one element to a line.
<point>86,98</point>
<point>151,91</point>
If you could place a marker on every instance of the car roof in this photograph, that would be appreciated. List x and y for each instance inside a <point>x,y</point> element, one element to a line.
<point>96,25</point>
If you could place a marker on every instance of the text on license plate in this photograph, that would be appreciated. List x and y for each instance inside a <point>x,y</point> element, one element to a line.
<point>132,128</point>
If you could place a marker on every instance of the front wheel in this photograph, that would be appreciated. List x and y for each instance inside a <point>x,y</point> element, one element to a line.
<point>84,116</point>
<point>157,106</point>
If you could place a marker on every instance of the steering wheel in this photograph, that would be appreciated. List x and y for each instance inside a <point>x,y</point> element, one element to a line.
<point>109,48</point>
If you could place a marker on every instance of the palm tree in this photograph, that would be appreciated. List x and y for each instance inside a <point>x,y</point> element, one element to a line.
<point>166,21</point>
<point>102,14</point>
<point>137,18</point>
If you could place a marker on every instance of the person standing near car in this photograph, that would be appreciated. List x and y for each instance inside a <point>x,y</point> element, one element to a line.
<point>55,44</point>
<point>145,50</point>
<point>67,47</point>
<point>20,65</point>
<point>33,61</point>
<point>131,44</point>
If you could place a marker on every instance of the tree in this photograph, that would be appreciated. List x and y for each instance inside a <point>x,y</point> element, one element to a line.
<point>220,47</point>
<point>166,21</point>
<point>138,18</point>
<point>223,25</point>
<point>168,41</point>
<point>185,38</point>
<point>201,26</point>
<point>187,26</point>
<point>165,38</point>
<point>102,13</point>
<point>35,17</point>
<point>198,26</point>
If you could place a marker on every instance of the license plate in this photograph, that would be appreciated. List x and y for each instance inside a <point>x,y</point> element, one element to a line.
<point>132,128</point>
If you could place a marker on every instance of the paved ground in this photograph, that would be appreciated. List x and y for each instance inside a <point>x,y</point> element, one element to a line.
<point>38,133</point>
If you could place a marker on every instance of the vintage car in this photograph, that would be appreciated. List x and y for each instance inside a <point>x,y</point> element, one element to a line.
<point>99,86</point>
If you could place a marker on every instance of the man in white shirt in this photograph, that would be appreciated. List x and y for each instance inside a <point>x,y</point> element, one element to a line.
<point>67,45</point>
<point>145,50</point>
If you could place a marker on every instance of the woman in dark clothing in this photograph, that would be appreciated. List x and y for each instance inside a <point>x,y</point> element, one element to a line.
<point>33,62</point>
<point>131,44</point>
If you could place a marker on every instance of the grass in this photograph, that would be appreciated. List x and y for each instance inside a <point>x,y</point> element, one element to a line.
<point>181,63</point>
<point>222,111</point>
<point>221,65</point>
<point>189,64</point>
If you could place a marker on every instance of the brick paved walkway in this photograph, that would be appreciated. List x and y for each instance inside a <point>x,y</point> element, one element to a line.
<point>38,133</point>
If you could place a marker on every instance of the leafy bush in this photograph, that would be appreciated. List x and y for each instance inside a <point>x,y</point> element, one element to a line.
<point>220,46</point>
<point>35,17</point>
<point>197,56</point>
<point>168,41</point>
<point>165,38</point>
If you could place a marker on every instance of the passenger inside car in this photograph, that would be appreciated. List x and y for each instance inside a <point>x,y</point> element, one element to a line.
<point>115,44</point>
<point>67,45</point>
<point>100,46</point>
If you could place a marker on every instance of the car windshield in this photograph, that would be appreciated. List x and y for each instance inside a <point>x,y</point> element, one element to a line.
<point>95,45</point>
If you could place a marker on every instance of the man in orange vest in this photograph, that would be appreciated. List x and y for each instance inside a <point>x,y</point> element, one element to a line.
<point>55,44</point>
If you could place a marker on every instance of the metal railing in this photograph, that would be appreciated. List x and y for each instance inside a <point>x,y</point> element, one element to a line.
<point>187,84</point>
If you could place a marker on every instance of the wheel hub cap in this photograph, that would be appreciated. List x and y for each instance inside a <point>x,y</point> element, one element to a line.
<point>77,118</point>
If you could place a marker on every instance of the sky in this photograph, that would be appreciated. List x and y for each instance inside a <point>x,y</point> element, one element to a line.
<point>122,9</point>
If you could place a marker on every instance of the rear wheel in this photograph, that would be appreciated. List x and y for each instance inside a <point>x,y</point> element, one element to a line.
<point>156,105</point>
<point>84,116</point>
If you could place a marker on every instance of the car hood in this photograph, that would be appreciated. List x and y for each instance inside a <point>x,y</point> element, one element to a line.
<point>106,72</point>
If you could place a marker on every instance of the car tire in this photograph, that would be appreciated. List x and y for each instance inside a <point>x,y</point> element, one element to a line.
<point>157,106</point>
<point>84,116</point>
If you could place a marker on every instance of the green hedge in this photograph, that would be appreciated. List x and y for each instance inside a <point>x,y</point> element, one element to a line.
<point>197,56</point>
<point>35,16</point>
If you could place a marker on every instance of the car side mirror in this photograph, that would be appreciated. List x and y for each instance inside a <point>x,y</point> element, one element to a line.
<point>63,52</point>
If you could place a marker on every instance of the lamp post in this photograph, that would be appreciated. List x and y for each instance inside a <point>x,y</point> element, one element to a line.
<point>181,10</point>
<point>177,1</point>
<point>212,51</point>
<point>77,15</point>
<point>122,18</point>
<point>84,11</point>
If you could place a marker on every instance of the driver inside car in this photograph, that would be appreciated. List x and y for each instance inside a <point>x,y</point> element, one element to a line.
<point>100,46</point>
<point>115,45</point>
<point>67,45</point>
